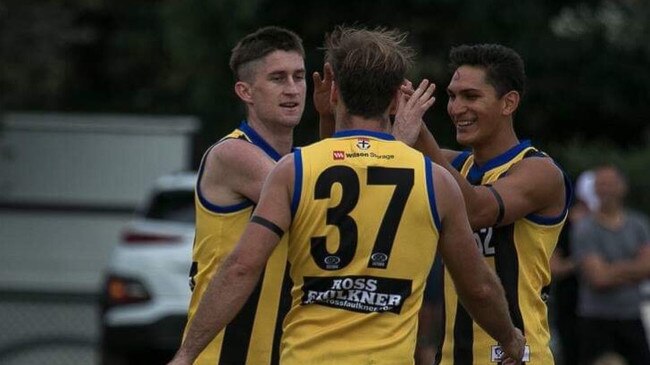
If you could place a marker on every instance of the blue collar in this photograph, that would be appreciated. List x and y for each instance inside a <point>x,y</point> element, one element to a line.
<point>476,172</point>
<point>259,141</point>
<point>363,132</point>
<point>504,157</point>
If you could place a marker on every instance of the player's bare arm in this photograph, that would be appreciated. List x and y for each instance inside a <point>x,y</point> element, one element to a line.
<point>235,170</point>
<point>275,204</point>
<point>478,287</point>
<point>232,285</point>
<point>534,185</point>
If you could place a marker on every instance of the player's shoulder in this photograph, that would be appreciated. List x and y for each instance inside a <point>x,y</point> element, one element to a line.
<point>539,167</point>
<point>234,150</point>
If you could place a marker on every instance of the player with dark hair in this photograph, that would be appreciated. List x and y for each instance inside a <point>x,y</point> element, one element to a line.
<point>516,197</point>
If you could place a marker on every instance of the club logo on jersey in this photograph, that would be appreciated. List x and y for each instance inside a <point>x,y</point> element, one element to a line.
<point>363,143</point>
<point>362,294</point>
<point>497,354</point>
<point>338,155</point>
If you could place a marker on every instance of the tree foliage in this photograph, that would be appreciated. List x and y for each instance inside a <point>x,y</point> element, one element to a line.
<point>587,61</point>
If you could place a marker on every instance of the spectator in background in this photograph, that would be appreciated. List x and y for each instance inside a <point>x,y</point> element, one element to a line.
<point>612,250</point>
<point>564,298</point>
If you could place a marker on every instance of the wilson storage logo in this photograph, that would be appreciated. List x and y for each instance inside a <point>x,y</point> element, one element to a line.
<point>342,155</point>
<point>364,294</point>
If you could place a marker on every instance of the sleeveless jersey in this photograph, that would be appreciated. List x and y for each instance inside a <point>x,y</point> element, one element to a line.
<point>253,337</point>
<point>519,253</point>
<point>361,244</point>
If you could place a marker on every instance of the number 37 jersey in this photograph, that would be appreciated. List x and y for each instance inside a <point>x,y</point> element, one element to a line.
<point>362,242</point>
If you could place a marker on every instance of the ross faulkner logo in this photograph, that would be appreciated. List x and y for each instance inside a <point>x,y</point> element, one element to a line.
<point>338,155</point>
<point>363,143</point>
<point>362,294</point>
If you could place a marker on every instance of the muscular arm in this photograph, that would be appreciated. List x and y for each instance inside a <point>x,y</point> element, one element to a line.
<point>478,287</point>
<point>533,185</point>
<point>232,285</point>
<point>234,170</point>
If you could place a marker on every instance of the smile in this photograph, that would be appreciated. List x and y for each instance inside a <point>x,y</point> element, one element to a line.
<point>464,123</point>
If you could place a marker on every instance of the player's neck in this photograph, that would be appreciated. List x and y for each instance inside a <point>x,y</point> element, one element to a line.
<point>278,136</point>
<point>346,121</point>
<point>494,146</point>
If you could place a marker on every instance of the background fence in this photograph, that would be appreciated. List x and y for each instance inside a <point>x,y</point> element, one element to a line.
<point>47,328</point>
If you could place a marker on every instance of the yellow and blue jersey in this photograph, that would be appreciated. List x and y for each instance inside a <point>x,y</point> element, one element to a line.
<point>253,337</point>
<point>362,241</point>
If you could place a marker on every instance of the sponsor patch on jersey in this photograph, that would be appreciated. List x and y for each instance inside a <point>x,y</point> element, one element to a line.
<point>338,155</point>
<point>363,143</point>
<point>366,154</point>
<point>363,294</point>
<point>497,354</point>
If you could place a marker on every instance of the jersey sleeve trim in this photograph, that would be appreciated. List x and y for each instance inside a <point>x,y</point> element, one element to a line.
<point>428,168</point>
<point>297,181</point>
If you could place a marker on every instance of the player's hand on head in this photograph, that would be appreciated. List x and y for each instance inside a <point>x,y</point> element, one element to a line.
<point>411,107</point>
<point>405,90</point>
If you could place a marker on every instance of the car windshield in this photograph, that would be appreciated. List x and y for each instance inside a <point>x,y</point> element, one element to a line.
<point>172,205</point>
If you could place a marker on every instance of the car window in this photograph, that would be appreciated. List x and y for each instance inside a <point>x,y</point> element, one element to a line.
<point>172,205</point>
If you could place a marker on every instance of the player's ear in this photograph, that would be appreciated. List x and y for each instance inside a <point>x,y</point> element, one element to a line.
<point>510,102</point>
<point>243,90</point>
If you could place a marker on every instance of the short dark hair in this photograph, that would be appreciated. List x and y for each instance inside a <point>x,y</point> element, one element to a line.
<point>368,66</point>
<point>504,68</point>
<point>260,43</point>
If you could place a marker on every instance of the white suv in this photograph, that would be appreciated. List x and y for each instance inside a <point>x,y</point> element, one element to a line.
<point>146,292</point>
